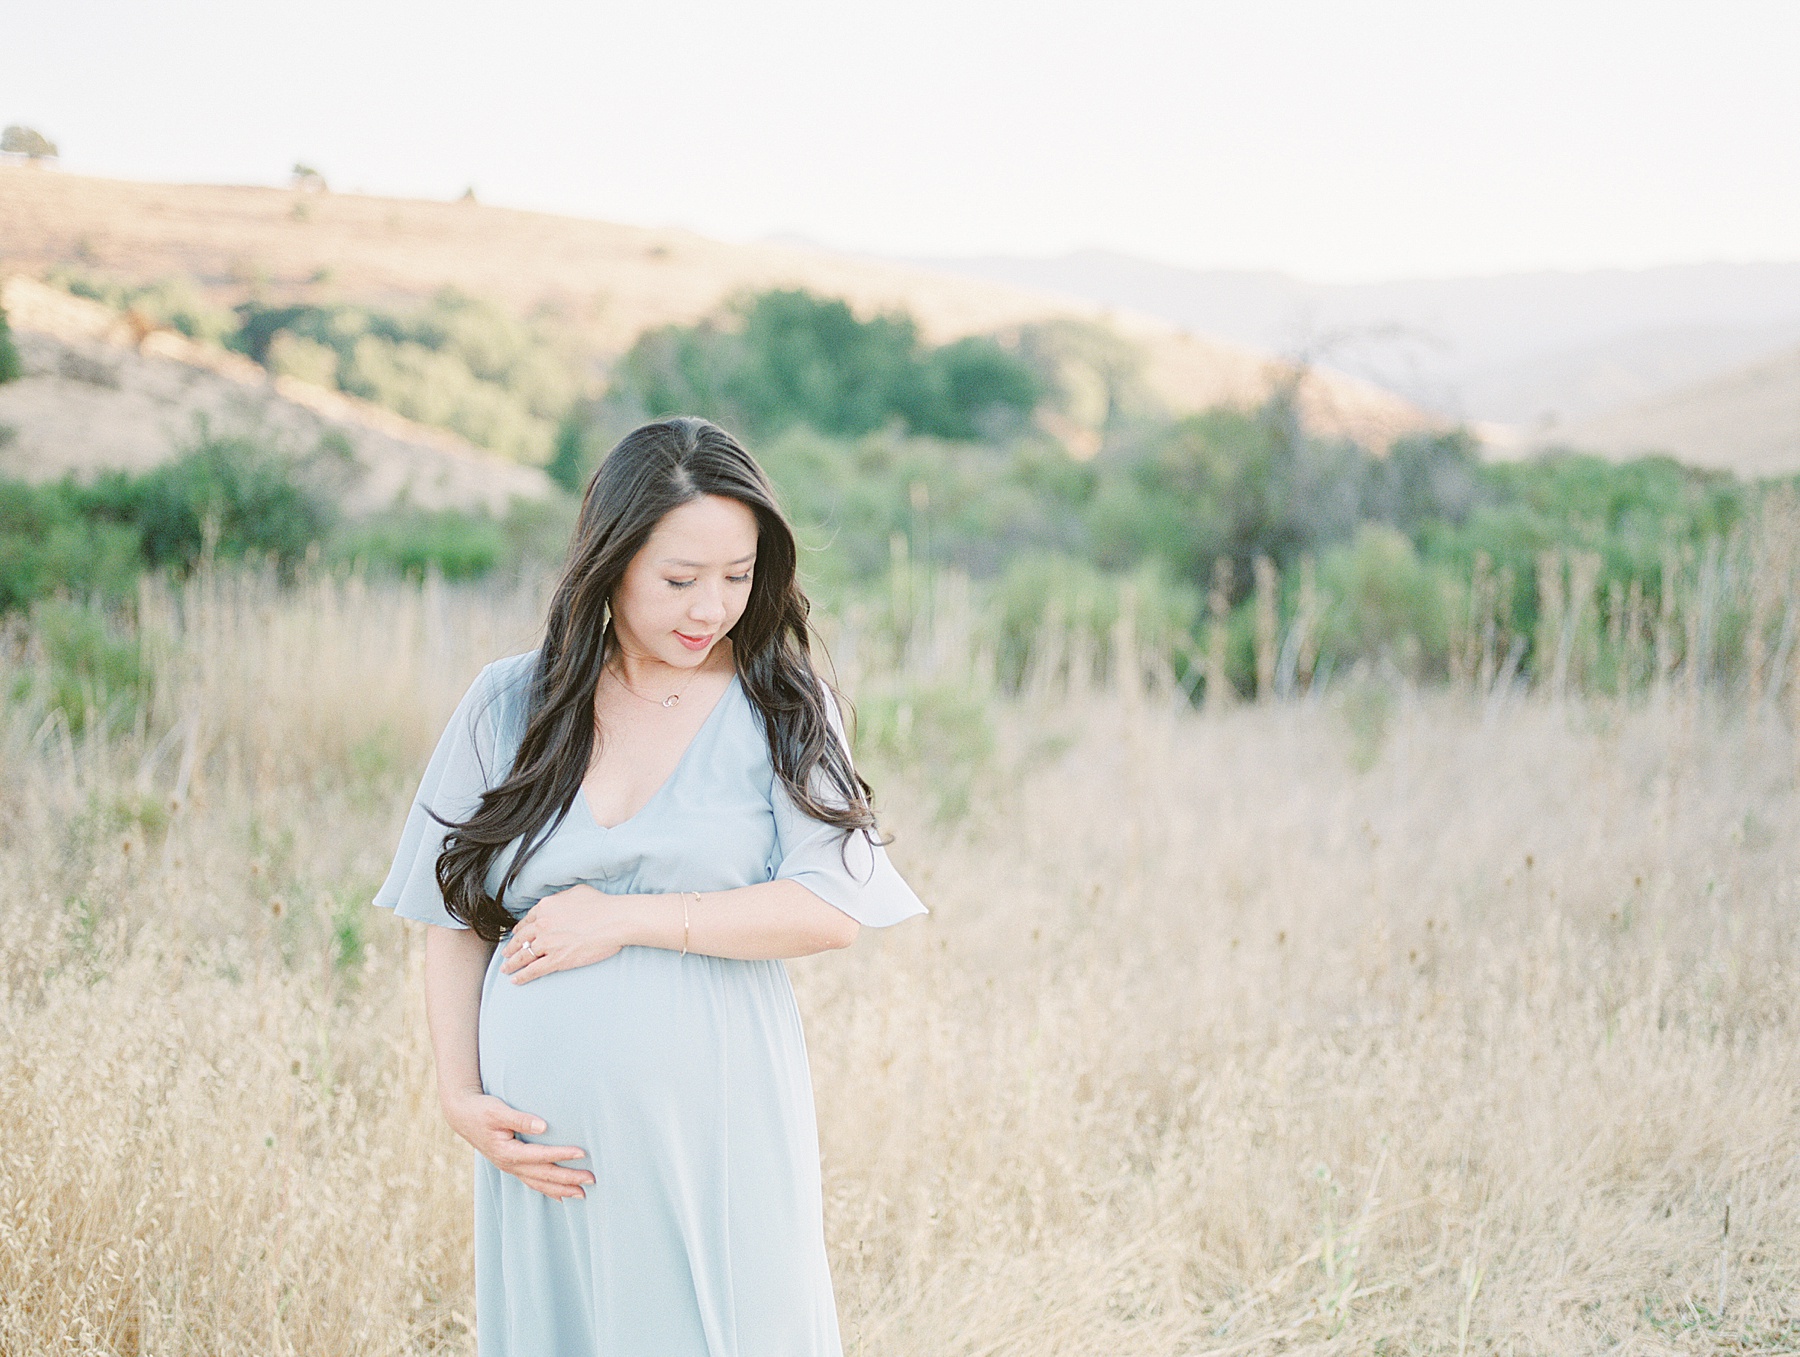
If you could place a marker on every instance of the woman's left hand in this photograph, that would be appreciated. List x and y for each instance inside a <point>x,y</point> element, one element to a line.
<point>576,927</point>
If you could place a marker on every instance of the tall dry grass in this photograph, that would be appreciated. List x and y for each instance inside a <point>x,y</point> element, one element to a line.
<point>1383,1022</point>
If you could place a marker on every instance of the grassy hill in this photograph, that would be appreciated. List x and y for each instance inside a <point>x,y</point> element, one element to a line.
<point>603,283</point>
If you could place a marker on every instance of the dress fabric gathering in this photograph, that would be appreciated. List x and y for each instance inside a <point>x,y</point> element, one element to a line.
<point>683,1077</point>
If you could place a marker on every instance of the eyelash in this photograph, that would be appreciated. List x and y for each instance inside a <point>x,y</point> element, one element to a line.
<point>734,579</point>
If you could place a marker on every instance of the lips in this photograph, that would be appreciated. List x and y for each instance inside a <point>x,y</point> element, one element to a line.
<point>694,642</point>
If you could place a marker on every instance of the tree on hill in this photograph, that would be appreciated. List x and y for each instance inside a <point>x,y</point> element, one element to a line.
<point>28,142</point>
<point>306,178</point>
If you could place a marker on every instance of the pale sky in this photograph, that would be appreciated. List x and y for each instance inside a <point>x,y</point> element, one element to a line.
<point>1340,141</point>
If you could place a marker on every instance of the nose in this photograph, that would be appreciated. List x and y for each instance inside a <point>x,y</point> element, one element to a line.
<point>709,608</point>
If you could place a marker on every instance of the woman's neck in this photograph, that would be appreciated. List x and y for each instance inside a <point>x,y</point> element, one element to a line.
<point>650,675</point>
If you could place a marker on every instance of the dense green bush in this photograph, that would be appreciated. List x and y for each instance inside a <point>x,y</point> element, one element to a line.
<point>230,496</point>
<point>786,357</point>
<point>235,497</point>
<point>51,542</point>
<point>573,454</point>
<point>1381,601</point>
<point>971,505</point>
<point>457,362</point>
<point>1426,481</point>
<point>1632,514</point>
<point>1039,589</point>
<point>971,389</point>
<point>800,359</point>
<point>1236,484</point>
<point>10,368</point>
<point>457,544</point>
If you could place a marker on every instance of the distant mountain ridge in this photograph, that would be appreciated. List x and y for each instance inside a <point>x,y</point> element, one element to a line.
<point>1544,352</point>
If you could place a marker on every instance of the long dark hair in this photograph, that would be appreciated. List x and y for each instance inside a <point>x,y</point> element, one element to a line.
<point>653,469</point>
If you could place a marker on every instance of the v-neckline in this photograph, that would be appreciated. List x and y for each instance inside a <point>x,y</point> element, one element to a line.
<point>587,810</point>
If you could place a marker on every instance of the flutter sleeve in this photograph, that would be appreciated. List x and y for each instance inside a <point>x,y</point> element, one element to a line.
<point>853,874</point>
<point>462,767</point>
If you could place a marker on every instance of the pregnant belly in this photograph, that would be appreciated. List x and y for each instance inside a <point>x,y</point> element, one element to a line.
<point>645,1039</point>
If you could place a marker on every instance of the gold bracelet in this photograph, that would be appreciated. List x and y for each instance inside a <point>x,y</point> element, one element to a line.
<point>684,918</point>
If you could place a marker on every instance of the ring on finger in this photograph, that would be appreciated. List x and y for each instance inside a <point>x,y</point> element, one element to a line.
<point>526,947</point>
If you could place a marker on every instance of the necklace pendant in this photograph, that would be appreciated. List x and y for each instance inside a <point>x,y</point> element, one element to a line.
<point>671,699</point>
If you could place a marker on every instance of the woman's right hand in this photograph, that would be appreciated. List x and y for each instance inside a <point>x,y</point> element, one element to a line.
<point>494,1129</point>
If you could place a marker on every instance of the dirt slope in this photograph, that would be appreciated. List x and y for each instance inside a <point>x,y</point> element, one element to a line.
<point>608,281</point>
<point>97,394</point>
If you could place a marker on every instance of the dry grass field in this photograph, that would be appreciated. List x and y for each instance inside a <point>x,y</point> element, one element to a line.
<point>1386,1022</point>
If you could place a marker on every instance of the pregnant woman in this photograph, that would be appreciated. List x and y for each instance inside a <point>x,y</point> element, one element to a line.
<point>619,837</point>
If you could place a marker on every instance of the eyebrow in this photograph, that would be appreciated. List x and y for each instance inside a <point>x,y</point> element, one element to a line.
<point>701,565</point>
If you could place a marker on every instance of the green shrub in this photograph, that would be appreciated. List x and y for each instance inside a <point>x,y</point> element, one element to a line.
<point>1224,483</point>
<point>1040,591</point>
<point>173,301</point>
<point>572,457</point>
<point>437,387</point>
<point>808,360</point>
<point>85,667</point>
<point>10,367</point>
<point>786,357</point>
<point>49,544</point>
<point>292,355</point>
<point>1425,479</point>
<point>1381,600</point>
<point>1630,513</point>
<point>681,370</point>
<point>232,496</point>
<point>459,544</point>
<point>972,390</point>
<point>410,542</point>
<point>457,362</point>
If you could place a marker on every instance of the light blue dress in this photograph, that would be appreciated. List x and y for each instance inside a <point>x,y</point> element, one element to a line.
<point>683,1077</point>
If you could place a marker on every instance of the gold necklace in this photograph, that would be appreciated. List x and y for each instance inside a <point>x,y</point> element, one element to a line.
<point>673,699</point>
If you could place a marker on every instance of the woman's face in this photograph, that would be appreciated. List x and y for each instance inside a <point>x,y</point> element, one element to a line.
<point>689,583</point>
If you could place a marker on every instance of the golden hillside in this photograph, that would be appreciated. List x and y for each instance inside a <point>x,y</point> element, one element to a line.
<point>1746,421</point>
<point>609,282</point>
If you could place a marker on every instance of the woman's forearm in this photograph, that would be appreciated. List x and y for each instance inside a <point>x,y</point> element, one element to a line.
<point>456,960</point>
<point>772,919</point>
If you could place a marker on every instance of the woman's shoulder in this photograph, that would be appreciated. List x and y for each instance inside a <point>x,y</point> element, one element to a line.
<point>834,712</point>
<point>505,689</point>
<point>509,674</point>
